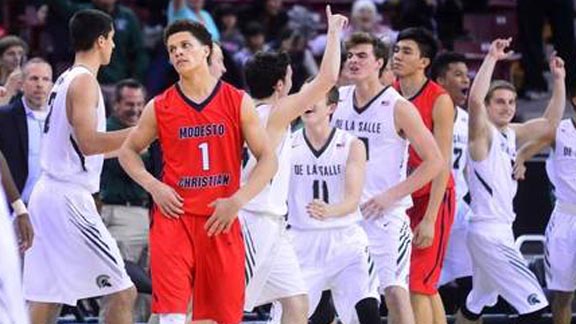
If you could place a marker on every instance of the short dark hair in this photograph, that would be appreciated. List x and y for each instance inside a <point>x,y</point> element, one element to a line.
<point>263,71</point>
<point>381,51</point>
<point>254,28</point>
<point>442,62</point>
<point>498,85</point>
<point>127,83</point>
<point>9,41</point>
<point>333,96</point>
<point>195,28</point>
<point>86,26</point>
<point>427,43</point>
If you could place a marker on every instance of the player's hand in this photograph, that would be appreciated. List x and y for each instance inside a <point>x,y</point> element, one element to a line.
<point>225,211</point>
<point>519,170</point>
<point>318,209</point>
<point>167,199</point>
<point>424,234</point>
<point>557,67</point>
<point>336,23</point>
<point>498,48</point>
<point>377,205</point>
<point>24,231</point>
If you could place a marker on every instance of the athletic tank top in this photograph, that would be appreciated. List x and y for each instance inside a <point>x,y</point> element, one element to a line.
<point>460,152</point>
<point>561,164</point>
<point>386,151</point>
<point>424,101</point>
<point>60,155</point>
<point>319,174</point>
<point>492,185</point>
<point>272,199</point>
<point>201,145</point>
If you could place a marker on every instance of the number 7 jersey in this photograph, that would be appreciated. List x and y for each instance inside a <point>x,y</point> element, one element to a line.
<point>201,145</point>
<point>386,151</point>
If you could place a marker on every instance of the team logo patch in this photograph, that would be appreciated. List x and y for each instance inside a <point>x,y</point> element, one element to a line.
<point>103,281</point>
<point>533,299</point>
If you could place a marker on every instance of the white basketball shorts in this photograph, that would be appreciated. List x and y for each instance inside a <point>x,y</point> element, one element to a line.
<point>457,262</point>
<point>560,255</point>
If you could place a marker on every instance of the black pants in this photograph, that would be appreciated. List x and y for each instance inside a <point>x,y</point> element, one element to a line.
<point>531,17</point>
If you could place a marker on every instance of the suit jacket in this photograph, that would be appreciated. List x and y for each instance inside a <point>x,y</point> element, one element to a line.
<point>14,140</point>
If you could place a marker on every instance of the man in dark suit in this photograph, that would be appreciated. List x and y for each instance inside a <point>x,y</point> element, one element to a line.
<point>22,124</point>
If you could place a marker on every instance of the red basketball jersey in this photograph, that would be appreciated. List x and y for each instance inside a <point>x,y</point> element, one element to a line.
<point>424,101</point>
<point>201,145</point>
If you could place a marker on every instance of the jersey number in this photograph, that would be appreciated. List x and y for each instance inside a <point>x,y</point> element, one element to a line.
<point>458,155</point>
<point>50,102</point>
<point>366,145</point>
<point>320,190</point>
<point>205,156</point>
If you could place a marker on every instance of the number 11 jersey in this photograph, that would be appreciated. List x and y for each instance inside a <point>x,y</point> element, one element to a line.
<point>386,151</point>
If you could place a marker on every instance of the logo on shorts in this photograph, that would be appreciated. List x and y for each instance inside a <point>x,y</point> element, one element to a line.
<point>103,281</point>
<point>533,299</point>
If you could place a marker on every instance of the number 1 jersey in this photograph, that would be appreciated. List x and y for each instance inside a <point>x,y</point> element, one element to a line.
<point>201,145</point>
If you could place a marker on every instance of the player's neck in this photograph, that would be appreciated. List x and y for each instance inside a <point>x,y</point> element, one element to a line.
<point>410,85</point>
<point>366,90</point>
<point>197,85</point>
<point>272,100</point>
<point>89,60</point>
<point>318,134</point>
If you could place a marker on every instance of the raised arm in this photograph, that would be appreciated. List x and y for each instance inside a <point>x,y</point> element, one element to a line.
<point>82,100</point>
<point>479,136</point>
<point>165,197</point>
<point>353,184</point>
<point>289,108</point>
<point>410,124</point>
<point>544,128</point>
<point>226,209</point>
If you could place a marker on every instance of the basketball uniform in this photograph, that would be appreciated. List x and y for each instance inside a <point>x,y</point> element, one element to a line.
<point>426,264</point>
<point>560,259</point>
<point>73,256</point>
<point>389,236</point>
<point>498,267</point>
<point>272,269</point>
<point>457,262</point>
<point>333,253</point>
<point>12,307</point>
<point>202,147</point>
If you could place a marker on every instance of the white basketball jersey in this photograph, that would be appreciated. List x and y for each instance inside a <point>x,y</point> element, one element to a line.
<point>386,151</point>
<point>561,164</point>
<point>319,174</point>
<point>60,156</point>
<point>460,152</point>
<point>272,199</point>
<point>492,185</point>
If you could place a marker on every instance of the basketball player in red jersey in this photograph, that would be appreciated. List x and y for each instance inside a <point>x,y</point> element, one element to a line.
<point>433,211</point>
<point>196,246</point>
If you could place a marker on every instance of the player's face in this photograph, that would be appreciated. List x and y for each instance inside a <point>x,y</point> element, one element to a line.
<point>217,68</point>
<point>129,107</point>
<point>12,57</point>
<point>406,59</point>
<point>502,107</point>
<point>107,46</point>
<point>37,83</point>
<point>456,82</point>
<point>317,112</point>
<point>186,52</point>
<point>361,63</point>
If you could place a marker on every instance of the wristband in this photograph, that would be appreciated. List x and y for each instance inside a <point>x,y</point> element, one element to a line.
<point>19,207</point>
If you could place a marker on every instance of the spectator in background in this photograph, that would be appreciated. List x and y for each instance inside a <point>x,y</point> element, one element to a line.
<point>231,38</point>
<point>302,61</point>
<point>255,41</point>
<point>129,58</point>
<point>12,55</point>
<point>22,126</point>
<point>192,10</point>
<point>531,16</point>
<point>417,13</point>
<point>125,203</point>
<point>365,18</point>
<point>271,15</point>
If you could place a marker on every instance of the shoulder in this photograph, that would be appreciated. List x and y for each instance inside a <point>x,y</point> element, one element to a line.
<point>11,108</point>
<point>434,88</point>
